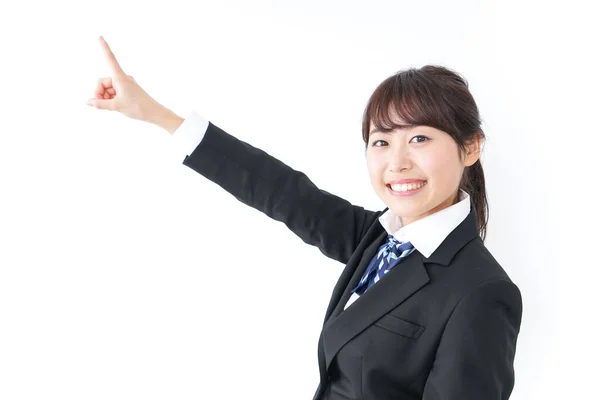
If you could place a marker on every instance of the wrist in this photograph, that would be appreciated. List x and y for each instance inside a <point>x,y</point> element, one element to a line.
<point>166,119</point>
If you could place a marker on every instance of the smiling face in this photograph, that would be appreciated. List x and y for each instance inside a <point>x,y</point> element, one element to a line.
<point>419,152</point>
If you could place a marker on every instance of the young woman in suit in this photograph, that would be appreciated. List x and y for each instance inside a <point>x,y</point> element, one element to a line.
<point>422,309</point>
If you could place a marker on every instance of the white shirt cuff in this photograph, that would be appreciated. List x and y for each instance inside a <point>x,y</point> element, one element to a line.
<point>189,134</point>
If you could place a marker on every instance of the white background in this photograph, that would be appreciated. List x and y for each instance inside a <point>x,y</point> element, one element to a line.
<point>126,275</point>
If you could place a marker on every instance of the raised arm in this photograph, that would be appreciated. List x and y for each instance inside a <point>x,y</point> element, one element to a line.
<point>263,182</point>
<point>254,177</point>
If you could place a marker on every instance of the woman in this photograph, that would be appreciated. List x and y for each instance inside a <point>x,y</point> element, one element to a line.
<point>422,309</point>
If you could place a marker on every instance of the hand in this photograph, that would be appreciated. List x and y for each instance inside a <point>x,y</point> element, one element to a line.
<point>121,93</point>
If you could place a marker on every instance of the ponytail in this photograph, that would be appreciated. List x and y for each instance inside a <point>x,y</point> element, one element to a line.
<point>473,182</point>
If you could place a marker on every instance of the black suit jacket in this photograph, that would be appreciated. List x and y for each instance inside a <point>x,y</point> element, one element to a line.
<point>442,327</point>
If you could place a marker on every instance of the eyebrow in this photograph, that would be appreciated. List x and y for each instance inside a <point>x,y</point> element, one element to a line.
<point>401,127</point>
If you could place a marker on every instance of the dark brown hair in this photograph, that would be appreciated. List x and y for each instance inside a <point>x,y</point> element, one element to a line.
<point>438,97</point>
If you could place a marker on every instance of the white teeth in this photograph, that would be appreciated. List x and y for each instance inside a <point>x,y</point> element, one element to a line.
<point>406,187</point>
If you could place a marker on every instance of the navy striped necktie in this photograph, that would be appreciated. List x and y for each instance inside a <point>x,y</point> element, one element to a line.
<point>388,256</point>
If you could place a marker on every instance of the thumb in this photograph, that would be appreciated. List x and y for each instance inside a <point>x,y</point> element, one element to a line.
<point>102,104</point>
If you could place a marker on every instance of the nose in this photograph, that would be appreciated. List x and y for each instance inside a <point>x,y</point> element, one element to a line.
<point>399,159</point>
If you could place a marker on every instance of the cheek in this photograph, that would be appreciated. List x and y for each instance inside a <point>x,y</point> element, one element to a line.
<point>376,168</point>
<point>440,166</point>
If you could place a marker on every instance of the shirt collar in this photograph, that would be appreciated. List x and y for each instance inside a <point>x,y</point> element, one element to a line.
<point>426,234</point>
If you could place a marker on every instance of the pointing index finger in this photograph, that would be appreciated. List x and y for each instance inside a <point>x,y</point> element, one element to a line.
<point>112,60</point>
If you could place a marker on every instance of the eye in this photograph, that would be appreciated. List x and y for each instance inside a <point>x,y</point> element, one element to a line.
<point>421,136</point>
<point>418,136</point>
<point>373,144</point>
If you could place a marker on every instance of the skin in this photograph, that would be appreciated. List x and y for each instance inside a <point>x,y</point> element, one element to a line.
<point>421,152</point>
<point>120,92</point>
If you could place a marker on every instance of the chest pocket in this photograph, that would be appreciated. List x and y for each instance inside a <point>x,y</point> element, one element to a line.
<point>400,326</point>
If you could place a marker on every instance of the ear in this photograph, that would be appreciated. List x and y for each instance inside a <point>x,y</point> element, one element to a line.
<point>473,151</point>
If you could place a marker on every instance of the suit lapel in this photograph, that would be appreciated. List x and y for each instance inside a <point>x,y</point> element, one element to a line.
<point>358,273</point>
<point>399,283</point>
<point>356,266</point>
<point>351,274</point>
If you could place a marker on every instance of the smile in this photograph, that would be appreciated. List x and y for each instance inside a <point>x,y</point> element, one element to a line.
<point>406,190</point>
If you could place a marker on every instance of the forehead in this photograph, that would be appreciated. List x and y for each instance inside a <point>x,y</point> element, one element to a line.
<point>391,122</point>
<point>391,117</point>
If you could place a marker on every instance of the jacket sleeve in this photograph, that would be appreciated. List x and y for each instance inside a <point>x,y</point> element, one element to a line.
<point>261,181</point>
<point>474,360</point>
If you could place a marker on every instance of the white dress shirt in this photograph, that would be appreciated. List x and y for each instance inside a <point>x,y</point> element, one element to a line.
<point>425,234</point>
<point>189,134</point>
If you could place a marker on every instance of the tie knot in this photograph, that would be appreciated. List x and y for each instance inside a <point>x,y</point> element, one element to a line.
<point>396,246</point>
<point>392,240</point>
<point>390,253</point>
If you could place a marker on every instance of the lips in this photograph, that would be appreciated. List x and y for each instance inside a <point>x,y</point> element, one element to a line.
<point>411,184</point>
<point>405,181</point>
<point>408,192</point>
